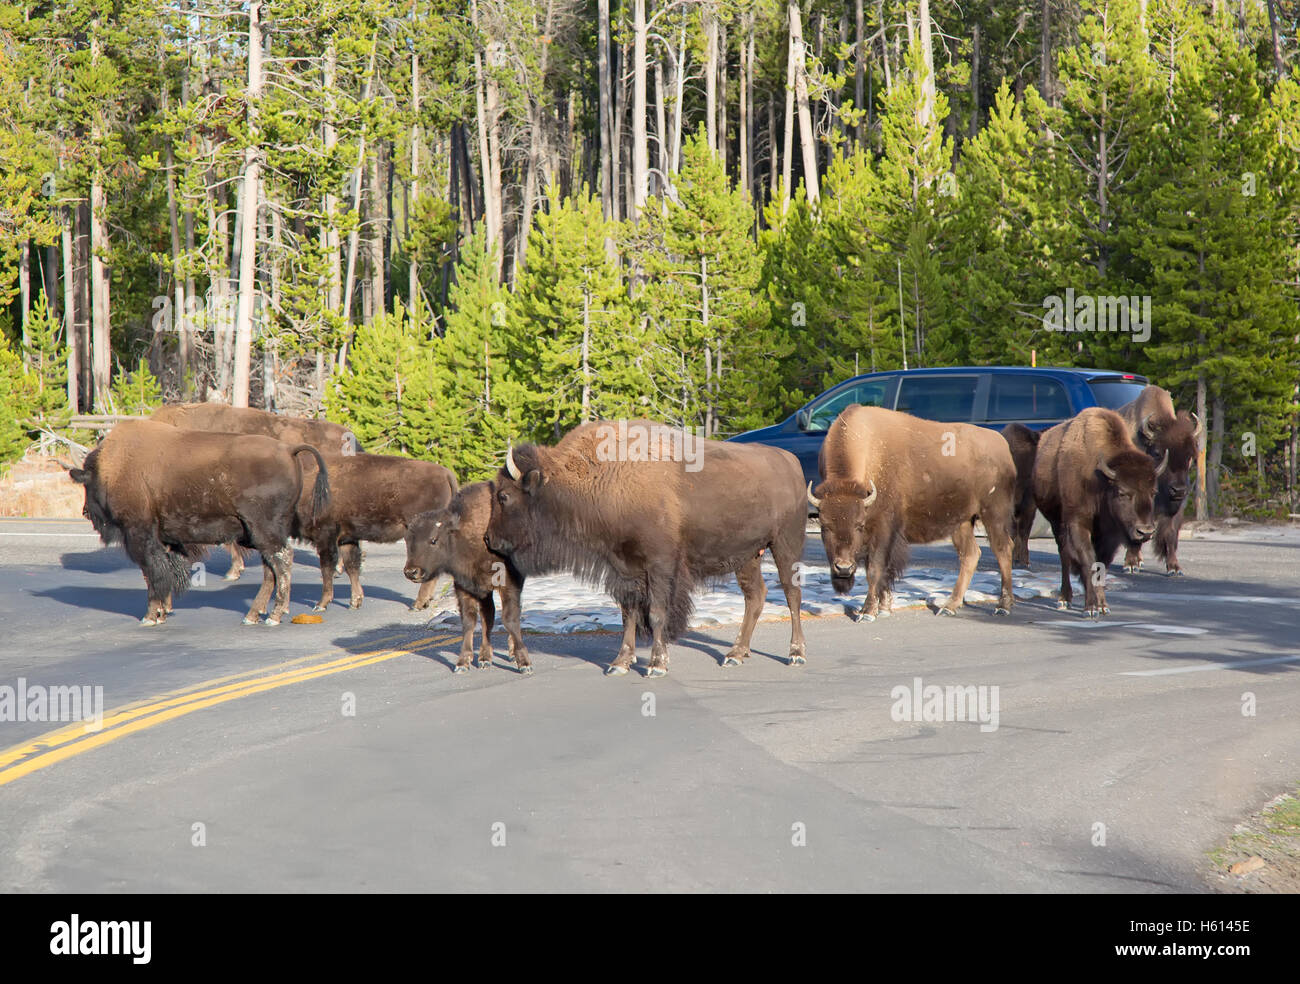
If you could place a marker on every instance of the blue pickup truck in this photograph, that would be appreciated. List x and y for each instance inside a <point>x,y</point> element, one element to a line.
<point>989,396</point>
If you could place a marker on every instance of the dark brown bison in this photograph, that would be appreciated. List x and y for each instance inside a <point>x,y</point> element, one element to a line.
<point>166,493</point>
<point>451,541</point>
<point>890,479</point>
<point>1096,489</point>
<point>1156,429</point>
<point>1024,448</point>
<point>652,512</point>
<point>372,497</point>
<point>320,434</point>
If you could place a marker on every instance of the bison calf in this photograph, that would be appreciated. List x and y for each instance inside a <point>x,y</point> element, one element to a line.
<point>372,497</point>
<point>1097,490</point>
<point>890,479</point>
<point>451,541</point>
<point>166,493</point>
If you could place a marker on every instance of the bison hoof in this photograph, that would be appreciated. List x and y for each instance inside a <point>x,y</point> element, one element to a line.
<point>1001,611</point>
<point>231,575</point>
<point>526,669</point>
<point>150,621</point>
<point>484,664</point>
<point>273,621</point>
<point>614,669</point>
<point>657,671</point>
<point>251,620</point>
<point>862,616</point>
<point>320,608</point>
<point>798,659</point>
<point>1176,572</point>
<point>1062,605</point>
<point>460,668</point>
<point>355,605</point>
<point>945,611</point>
<point>730,661</point>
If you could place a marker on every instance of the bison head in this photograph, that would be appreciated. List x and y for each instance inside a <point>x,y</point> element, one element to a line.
<point>513,523</point>
<point>430,543</point>
<point>1129,491</point>
<point>844,509</point>
<point>96,507</point>
<point>1177,439</point>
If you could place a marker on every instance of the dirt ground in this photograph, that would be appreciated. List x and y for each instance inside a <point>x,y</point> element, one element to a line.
<point>1263,855</point>
<point>38,487</point>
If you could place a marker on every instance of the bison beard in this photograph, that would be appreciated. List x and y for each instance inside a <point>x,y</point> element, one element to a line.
<point>651,531</point>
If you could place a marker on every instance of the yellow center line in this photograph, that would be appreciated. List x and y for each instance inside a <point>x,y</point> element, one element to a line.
<point>41,753</point>
<point>149,705</point>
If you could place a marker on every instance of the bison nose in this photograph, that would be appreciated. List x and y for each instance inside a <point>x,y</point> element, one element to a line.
<point>844,570</point>
<point>1145,533</point>
<point>414,574</point>
<point>1178,493</point>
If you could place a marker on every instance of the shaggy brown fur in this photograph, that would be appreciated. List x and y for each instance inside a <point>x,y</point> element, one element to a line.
<point>1156,429</point>
<point>166,492</point>
<point>372,497</point>
<point>931,480</point>
<point>653,531</point>
<point>1093,513</point>
<point>450,541</point>
<point>320,434</point>
<point>1024,448</point>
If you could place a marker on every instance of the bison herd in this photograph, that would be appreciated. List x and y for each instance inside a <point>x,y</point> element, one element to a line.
<point>652,518</point>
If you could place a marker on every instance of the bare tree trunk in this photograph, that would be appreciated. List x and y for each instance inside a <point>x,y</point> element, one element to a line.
<point>661,128</point>
<point>1202,485</point>
<point>773,148</point>
<point>927,52</point>
<point>373,298</point>
<point>354,237</point>
<point>801,94</point>
<point>711,75</point>
<point>71,337</point>
<point>1276,38</point>
<point>1045,68</point>
<point>975,81</point>
<point>859,61</point>
<point>82,301</point>
<point>787,159</point>
<point>25,293</point>
<point>679,82</point>
<point>330,233</point>
<point>640,143</point>
<point>248,217</point>
<point>607,152</point>
<point>180,323</point>
<point>723,143</point>
<point>745,93</point>
<point>413,266</point>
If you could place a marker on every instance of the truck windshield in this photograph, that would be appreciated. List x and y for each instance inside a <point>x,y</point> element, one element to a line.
<point>1114,393</point>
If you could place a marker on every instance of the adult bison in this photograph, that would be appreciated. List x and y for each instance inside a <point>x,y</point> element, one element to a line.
<point>372,497</point>
<point>1156,429</point>
<point>166,493</point>
<point>323,435</point>
<point>890,479</point>
<point>1024,448</point>
<point>652,512</point>
<point>451,541</point>
<point>1097,490</point>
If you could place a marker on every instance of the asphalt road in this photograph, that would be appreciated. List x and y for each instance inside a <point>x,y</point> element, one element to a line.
<point>1122,751</point>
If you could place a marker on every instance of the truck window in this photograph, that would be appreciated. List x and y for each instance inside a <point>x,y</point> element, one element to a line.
<point>869,394</point>
<point>946,398</point>
<point>1025,397</point>
<point>1114,393</point>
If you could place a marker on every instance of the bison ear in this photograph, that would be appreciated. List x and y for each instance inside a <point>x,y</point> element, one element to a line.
<point>532,481</point>
<point>79,475</point>
<point>452,522</point>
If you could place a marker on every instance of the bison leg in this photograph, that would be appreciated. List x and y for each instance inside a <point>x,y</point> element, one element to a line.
<point>1000,539</point>
<point>968,551</point>
<point>786,556</point>
<point>658,612</point>
<point>469,609</point>
<point>327,551</point>
<point>750,579</point>
<point>1024,524</point>
<point>1091,573</point>
<point>876,576</point>
<point>350,554</point>
<point>627,651</point>
<point>263,593</point>
<point>510,616</point>
<point>1166,541</point>
<point>236,562</point>
<point>487,609</point>
<point>1133,558</point>
<point>424,597</point>
<point>282,568</point>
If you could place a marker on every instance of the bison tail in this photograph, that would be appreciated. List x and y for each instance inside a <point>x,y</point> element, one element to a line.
<point>320,494</point>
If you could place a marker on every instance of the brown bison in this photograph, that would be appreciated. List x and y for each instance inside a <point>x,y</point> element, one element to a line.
<point>451,541</point>
<point>166,493</point>
<point>372,497</point>
<point>890,479</point>
<point>1096,489</point>
<point>652,512</point>
<point>320,434</point>
<point>1024,448</point>
<point>1156,429</point>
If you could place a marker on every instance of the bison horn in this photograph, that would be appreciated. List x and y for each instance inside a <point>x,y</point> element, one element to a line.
<point>1147,430</point>
<point>1105,469</point>
<point>1200,428</point>
<point>1164,464</point>
<point>871,497</point>
<point>816,502</point>
<point>511,467</point>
